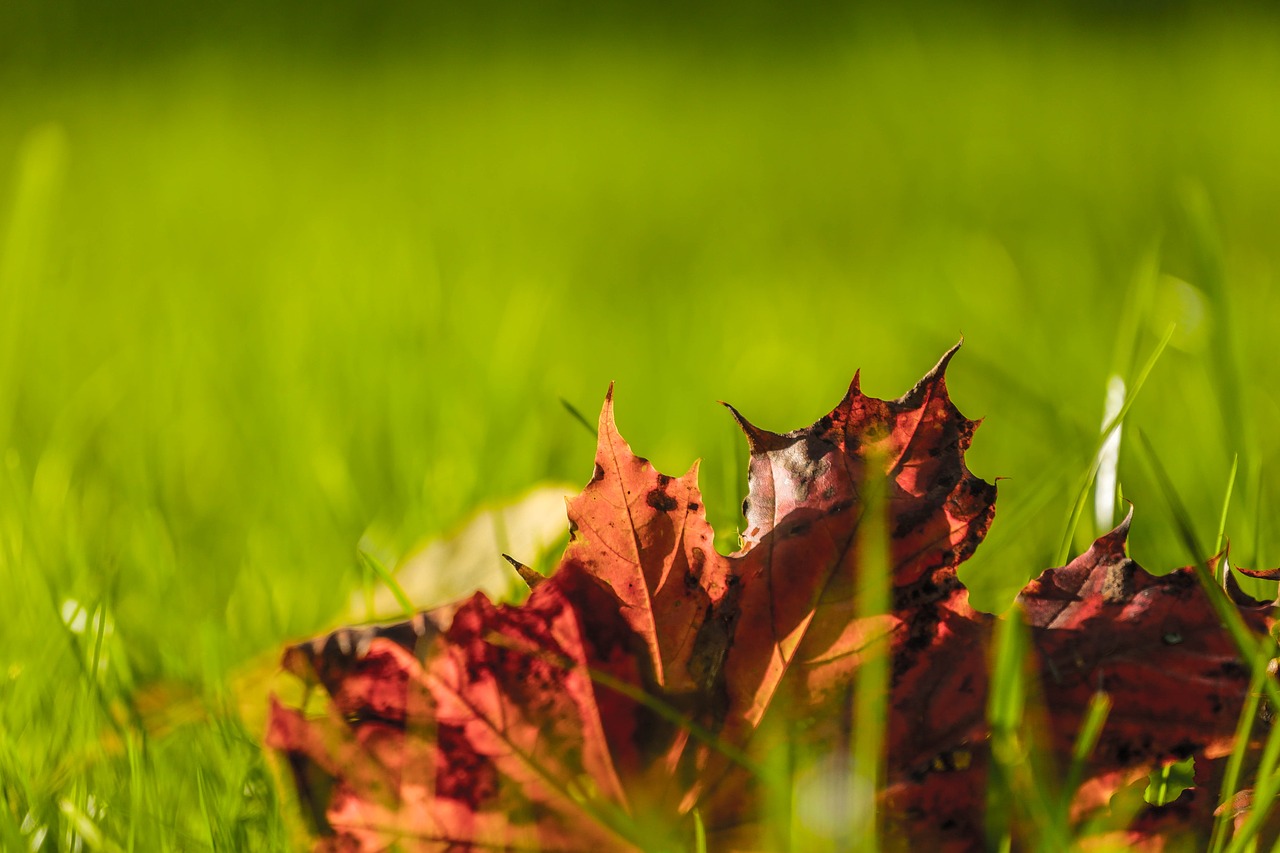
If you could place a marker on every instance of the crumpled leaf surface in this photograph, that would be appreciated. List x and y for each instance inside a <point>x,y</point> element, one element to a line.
<point>633,694</point>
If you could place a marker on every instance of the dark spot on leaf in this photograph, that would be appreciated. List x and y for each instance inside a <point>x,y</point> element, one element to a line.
<point>838,508</point>
<point>917,516</point>
<point>1234,669</point>
<point>661,501</point>
<point>710,647</point>
<point>663,480</point>
<point>694,507</point>
<point>598,474</point>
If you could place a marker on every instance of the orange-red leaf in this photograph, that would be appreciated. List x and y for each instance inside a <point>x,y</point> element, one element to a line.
<point>650,676</point>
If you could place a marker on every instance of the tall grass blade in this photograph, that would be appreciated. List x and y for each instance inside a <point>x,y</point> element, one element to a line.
<point>374,566</point>
<point>1010,791</point>
<point>1220,540</point>
<point>579,417</point>
<point>1137,305</point>
<point>1231,776</point>
<point>86,831</point>
<point>1082,494</point>
<point>871,686</point>
<point>1095,718</point>
<point>1265,790</point>
<point>1108,459</point>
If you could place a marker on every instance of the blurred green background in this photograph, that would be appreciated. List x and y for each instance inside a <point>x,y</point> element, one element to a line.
<point>276,283</point>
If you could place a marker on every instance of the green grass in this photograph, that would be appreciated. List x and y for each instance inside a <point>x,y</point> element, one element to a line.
<point>260,314</point>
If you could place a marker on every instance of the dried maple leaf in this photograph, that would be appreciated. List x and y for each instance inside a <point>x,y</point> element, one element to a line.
<point>1174,676</point>
<point>624,700</point>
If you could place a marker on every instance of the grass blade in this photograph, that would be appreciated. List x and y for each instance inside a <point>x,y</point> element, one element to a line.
<point>871,687</point>
<point>374,566</point>
<point>1108,459</point>
<point>579,417</point>
<point>1231,777</point>
<point>1266,788</point>
<point>699,833</point>
<point>1223,567</point>
<point>1015,790</point>
<point>1095,718</point>
<point>1082,495</point>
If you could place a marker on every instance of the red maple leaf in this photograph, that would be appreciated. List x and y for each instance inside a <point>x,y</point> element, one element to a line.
<point>621,706</point>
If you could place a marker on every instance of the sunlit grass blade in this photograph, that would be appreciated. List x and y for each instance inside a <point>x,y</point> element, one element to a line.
<point>871,685</point>
<point>1107,461</point>
<point>374,567</point>
<point>1136,307</point>
<point>1226,503</point>
<point>1220,539</point>
<point>1095,718</point>
<point>85,829</point>
<point>1231,776</point>
<point>1018,797</point>
<point>1086,483</point>
<point>1265,790</point>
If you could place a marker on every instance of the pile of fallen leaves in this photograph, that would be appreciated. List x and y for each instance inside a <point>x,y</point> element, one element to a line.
<point>634,700</point>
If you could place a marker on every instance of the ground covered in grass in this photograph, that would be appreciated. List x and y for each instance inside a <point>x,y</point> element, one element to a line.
<point>261,308</point>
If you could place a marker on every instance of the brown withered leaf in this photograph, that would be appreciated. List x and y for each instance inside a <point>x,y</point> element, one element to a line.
<point>629,702</point>
<point>1175,679</point>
